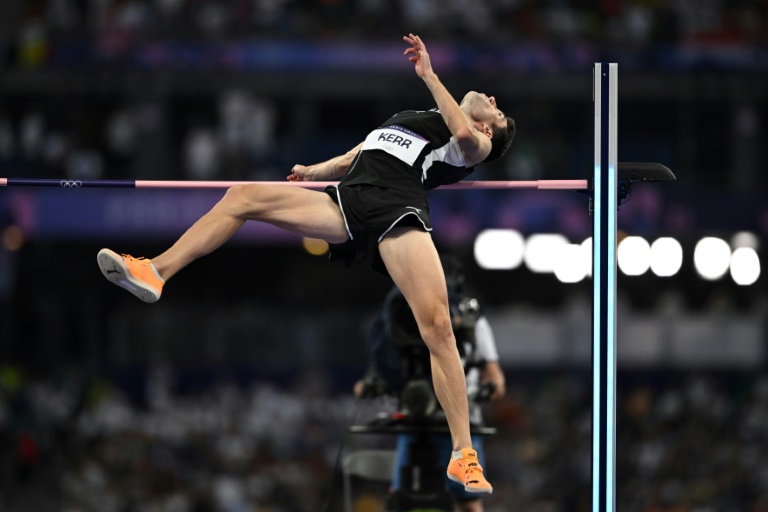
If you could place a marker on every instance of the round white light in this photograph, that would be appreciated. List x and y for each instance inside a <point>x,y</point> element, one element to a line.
<point>571,265</point>
<point>712,256</point>
<point>666,257</point>
<point>745,239</point>
<point>745,266</point>
<point>634,255</point>
<point>542,252</point>
<point>499,249</point>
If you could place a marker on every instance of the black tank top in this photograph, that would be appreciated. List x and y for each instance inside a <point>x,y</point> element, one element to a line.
<point>413,150</point>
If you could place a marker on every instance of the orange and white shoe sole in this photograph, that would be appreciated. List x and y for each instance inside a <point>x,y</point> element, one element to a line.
<point>473,490</point>
<point>114,269</point>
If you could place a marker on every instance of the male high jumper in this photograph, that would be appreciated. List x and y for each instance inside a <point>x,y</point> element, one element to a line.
<point>377,212</point>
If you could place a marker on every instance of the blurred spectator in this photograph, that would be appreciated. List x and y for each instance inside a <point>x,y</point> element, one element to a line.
<point>32,131</point>
<point>7,142</point>
<point>246,133</point>
<point>84,164</point>
<point>201,155</point>
<point>152,156</point>
<point>121,132</point>
<point>32,44</point>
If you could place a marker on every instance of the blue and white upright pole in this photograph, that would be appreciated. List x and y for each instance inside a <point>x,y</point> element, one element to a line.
<point>604,289</point>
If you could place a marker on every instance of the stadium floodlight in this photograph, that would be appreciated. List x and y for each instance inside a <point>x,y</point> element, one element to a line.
<point>499,249</point>
<point>745,266</point>
<point>666,257</point>
<point>745,239</point>
<point>542,251</point>
<point>634,255</point>
<point>712,257</point>
<point>572,264</point>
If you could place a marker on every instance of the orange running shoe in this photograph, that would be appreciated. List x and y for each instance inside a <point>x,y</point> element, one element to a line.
<point>467,471</point>
<point>136,275</point>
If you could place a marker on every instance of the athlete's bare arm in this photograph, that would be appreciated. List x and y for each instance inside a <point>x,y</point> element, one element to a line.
<point>330,169</point>
<point>474,144</point>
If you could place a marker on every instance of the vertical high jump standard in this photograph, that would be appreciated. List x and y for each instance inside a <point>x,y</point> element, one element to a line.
<point>605,206</point>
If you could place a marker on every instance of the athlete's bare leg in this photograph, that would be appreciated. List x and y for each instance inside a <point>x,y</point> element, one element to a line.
<point>304,212</point>
<point>412,260</point>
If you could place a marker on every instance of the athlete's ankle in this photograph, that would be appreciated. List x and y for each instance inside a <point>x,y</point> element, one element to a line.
<point>161,270</point>
<point>157,271</point>
<point>458,454</point>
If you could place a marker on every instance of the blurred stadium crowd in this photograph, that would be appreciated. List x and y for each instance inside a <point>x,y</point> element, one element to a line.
<point>686,443</point>
<point>101,124</point>
<point>93,89</point>
<point>122,22</point>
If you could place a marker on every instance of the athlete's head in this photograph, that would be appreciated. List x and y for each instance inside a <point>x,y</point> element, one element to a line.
<point>487,118</point>
<point>501,140</point>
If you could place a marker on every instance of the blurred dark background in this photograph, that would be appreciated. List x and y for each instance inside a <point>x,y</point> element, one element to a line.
<point>234,392</point>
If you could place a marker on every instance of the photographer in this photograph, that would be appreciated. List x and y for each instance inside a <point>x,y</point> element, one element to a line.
<point>400,367</point>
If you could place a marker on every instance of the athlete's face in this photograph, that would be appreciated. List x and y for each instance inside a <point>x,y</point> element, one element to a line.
<point>482,109</point>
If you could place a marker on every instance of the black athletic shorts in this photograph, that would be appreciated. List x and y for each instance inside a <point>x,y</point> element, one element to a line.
<point>369,213</point>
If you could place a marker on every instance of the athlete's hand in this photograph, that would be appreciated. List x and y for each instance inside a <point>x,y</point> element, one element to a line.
<point>418,55</point>
<point>299,173</point>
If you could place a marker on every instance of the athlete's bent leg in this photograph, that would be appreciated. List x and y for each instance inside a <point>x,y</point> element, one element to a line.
<point>413,262</point>
<point>298,210</point>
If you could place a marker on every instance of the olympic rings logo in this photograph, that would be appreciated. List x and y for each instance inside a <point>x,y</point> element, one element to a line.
<point>71,183</point>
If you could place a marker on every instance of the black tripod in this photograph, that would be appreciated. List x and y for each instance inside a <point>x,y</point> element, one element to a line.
<point>422,480</point>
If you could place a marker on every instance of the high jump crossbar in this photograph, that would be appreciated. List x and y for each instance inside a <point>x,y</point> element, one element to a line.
<point>627,172</point>
<point>465,185</point>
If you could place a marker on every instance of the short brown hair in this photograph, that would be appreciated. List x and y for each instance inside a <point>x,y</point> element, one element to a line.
<point>501,140</point>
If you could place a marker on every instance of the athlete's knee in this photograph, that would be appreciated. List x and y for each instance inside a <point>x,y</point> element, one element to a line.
<point>437,330</point>
<point>244,200</point>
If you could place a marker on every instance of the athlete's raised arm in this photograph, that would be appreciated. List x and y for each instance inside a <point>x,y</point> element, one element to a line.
<point>474,144</point>
<point>331,169</point>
